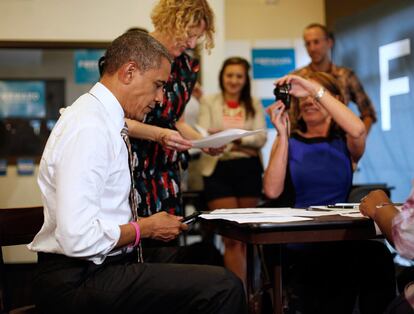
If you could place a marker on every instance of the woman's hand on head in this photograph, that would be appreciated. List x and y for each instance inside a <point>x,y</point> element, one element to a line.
<point>299,86</point>
<point>279,118</point>
<point>172,140</point>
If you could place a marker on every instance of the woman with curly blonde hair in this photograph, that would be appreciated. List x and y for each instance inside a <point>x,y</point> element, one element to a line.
<point>162,141</point>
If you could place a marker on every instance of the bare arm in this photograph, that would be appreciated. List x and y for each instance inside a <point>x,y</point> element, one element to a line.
<point>169,139</point>
<point>361,99</point>
<point>383,215</point>
<point>186,130</point>
<point>354,128</point>
<point>275,173</point>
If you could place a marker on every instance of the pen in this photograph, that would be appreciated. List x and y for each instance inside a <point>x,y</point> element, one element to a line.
<point>381,205</point>
<point>343,206</point>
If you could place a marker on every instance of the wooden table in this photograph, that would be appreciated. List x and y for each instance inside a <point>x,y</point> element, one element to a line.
<point>320,229</point>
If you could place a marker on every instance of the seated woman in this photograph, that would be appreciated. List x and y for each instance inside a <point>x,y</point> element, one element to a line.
<point>312,165</point>
<point>398,228</point>
<point>233,180</point>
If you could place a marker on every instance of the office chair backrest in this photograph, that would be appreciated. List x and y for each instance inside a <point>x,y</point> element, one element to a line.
<point>17,226</point>
<point>359,191</point>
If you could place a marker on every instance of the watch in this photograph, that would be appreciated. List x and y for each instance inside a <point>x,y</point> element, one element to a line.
<point>319,94</point>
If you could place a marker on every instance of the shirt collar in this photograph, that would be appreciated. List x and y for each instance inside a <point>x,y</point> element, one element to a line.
<point>110,103</point>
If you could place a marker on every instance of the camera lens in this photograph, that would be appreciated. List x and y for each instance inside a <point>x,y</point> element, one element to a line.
<point>282,93</point>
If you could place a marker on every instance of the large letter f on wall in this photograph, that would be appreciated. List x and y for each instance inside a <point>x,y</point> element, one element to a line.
<point>392,87</point>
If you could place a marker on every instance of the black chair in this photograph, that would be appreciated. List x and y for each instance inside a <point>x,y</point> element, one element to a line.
<point>17,226</point>
<point>358,191</point>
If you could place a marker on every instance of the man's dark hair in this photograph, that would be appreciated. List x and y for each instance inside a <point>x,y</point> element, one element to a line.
<point>136,46</point>
<point>137,29</point>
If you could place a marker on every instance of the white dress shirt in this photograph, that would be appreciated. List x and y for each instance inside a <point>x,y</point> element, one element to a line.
<point>84,180</point>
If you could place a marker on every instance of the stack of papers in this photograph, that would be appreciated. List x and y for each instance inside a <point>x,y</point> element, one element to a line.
<point>224,137</point>
<point>270,215</point>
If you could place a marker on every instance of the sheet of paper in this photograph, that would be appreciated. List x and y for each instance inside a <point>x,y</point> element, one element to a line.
<point>265,215</point>
<point>222,138</point>
<point>282,211</point>
<point>254,218</point>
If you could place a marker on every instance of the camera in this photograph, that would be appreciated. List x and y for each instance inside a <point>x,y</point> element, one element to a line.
<point>282,93</point>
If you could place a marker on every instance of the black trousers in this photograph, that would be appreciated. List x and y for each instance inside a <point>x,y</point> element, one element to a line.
<point>120,285</point>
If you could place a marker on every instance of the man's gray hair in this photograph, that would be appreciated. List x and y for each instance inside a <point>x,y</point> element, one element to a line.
<point>136,46</point>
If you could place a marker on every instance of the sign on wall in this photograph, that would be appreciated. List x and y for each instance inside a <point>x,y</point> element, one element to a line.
<point>22,99</point>
<point>268,65</point>
<point>86,65</point>
<point>272,63</point>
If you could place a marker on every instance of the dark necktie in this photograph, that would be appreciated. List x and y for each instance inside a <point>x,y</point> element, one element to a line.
<point>133,194</point>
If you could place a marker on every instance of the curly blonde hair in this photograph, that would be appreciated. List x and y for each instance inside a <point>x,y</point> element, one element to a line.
<point>174,17</point>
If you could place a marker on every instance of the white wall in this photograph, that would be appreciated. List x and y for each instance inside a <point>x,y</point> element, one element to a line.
<point>91,20</point>
<point>271,19</point>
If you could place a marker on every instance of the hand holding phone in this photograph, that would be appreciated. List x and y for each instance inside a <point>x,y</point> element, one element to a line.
<point>190,219</point>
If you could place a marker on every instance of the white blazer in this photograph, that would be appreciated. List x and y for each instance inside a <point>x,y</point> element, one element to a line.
<point>211,116</point>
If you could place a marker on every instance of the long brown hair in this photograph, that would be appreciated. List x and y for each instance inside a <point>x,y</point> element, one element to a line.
<point>245,95</point>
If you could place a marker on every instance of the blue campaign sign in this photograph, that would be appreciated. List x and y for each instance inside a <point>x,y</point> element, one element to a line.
<point>20,99</point>
<point>86,65</point>
<point>272,63</point>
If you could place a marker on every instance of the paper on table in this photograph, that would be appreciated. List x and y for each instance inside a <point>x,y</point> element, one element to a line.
<point>254,218</point>
<point>222,138</point>
<point>265,215</point>
<point>270,212</point>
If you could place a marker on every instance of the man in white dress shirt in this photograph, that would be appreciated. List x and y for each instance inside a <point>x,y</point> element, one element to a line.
<point>88,262</point>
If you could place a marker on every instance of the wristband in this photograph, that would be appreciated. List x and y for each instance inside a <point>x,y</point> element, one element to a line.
<point>137,233</point>
<point>319,94</point>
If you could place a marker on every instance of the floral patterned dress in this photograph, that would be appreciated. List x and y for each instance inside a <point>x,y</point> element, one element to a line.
<point>157,174</point>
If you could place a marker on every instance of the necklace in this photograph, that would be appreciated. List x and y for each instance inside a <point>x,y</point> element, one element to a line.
<point>232,108</point>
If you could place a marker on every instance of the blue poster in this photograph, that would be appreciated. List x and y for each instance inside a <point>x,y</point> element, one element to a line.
<point>272,63</point>
<point>86,65</point>
<point>21,99</point>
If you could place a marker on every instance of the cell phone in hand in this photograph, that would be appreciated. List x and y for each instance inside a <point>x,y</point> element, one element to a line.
<point>191,218</point>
